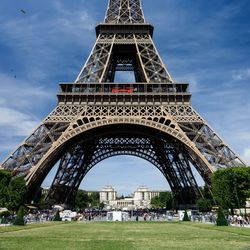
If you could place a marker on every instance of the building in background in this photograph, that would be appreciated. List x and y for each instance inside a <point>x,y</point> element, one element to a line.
<point>141,199</point>
<point>107,194</point>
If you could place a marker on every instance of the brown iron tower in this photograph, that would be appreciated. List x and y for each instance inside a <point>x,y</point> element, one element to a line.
<point>97,118</point>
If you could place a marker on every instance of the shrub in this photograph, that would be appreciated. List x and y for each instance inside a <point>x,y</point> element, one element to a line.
<point>57,216</point>
<point>186,218</point>
<point>19,221</point>
<point>221,220</point>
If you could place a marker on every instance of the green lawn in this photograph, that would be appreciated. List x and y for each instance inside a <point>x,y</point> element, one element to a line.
<point>129,235</point>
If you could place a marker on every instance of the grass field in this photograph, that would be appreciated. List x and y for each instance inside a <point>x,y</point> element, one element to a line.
<point>128,235</point>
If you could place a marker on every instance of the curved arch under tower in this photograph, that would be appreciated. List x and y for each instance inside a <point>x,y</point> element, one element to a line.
<point>81,152</point>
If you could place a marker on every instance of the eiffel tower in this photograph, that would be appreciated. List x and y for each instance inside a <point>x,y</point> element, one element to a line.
<point>97,118</point>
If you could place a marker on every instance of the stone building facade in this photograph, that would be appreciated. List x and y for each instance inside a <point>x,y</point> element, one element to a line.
<point>141,199</point>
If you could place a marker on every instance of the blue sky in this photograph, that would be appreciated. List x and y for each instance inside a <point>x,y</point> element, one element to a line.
<point>205,43</point>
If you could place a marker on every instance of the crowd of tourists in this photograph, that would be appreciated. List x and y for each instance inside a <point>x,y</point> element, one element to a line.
<point>35,216</point>
<point>239,220</point>
<point>138,215</point>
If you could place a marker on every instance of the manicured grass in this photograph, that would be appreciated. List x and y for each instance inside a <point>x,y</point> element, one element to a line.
<point>128,235</point>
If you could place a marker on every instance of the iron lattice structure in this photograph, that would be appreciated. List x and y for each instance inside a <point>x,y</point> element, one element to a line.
<point>97,118</point>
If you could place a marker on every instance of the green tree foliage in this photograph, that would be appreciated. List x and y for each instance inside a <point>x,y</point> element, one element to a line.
<point>83,200</point>
<point>12,191</point>
<point>17,193</point>
<point>102,205</point>
<point>206,192</point>
<point>5,178</point>
<point>155,202</point>
<point>185,218</point>
<point>94,199</point>
<point>221,220</point>
<point>57,216</point>
<point>19,221</point>
<point>204,205</point>
<point>165,199</point>
<point>231,187</point>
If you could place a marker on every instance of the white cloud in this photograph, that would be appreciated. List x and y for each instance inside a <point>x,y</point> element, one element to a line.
<point>21,94</point>
<point>44,46</point>
<point>246,155</point>
<point>194,85</point>
<point>242,74</point>
<point>19,102</point>
<point>15,123</point>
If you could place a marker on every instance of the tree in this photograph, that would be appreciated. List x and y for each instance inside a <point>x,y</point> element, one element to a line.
<point>12,191</point>
<point>221,220</point>
<point>102,205</point>
<point>81,200</point>
<point>165,199</point>
<point>231,187</point>
<point>94,199</point>
<point>155,202</point>
<point>17,193</point>
<point>207,193</point>
<point>19,221</point>
<point>4,196</point>
<point>5,177</point>
<point>185,218</point>
<point>204,205</point>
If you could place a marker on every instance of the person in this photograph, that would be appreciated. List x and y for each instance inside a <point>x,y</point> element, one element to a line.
<point>240,219</point>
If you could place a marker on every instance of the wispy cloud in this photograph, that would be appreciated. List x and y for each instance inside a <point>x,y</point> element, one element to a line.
<point>246,155</point>
<point>243,74</point>
<point>15,123</point>
<point>46,46</point>
<point>21,110</point>
<point>20,94</point>
<point>38,54</point>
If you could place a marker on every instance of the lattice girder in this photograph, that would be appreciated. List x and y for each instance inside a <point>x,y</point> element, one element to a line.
<point>148,61</point>
<point>176,118</point>
<point>184,115</point>
<point>124,11</point>
<point>34,174</point>
<point>31,151</point>
<point>211,145</point>
<point>177,170</point>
